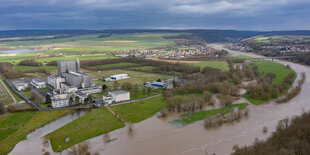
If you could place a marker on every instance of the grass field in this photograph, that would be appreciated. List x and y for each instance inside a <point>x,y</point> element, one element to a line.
<point>92,124</point>
<point>115,65</point>
<point>135,77</point>
<point>18,68</point>
<point>26,123</point>
<point>201,115</point>
<point>280,71</point>
<point>138,111</point>
<point>11,122</point>
<point>74,57</point>
<point>222,65</point>
<point>91,42</point>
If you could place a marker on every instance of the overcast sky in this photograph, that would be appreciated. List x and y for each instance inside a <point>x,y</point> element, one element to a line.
<point>155,14</point>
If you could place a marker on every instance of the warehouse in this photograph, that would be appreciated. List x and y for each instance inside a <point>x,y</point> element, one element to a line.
<point>120,95</point>
<point>20,85</point>
<point>38,83</point>
<point>119,77</point>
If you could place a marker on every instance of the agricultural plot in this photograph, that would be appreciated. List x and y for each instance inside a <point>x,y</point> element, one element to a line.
<point>92,42</point>
<point>4,95</point>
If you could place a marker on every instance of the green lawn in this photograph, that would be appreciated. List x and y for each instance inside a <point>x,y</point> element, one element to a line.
<point>11,122</point>
<point>116,65</point>
<point>92,124</point>
<point>280,71</point>
<point>189,118</point>
<point>18,68</point>
<point>34,121</point>
<point>138,111</point>
<point>135,77</point>
<point>222,65</point>
<point>74,57</point>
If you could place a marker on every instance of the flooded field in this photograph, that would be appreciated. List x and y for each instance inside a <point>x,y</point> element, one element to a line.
<point>35,141</point>
<point>157,136</point>
<point>17,51</point>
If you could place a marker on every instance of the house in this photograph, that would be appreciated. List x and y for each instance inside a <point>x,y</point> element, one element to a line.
<point>38,83</point>
<point>120,95</point>
<point>20,85</point>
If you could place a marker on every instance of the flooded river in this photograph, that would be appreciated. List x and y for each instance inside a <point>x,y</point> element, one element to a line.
<point>35,142</point>
<point>155,136</point>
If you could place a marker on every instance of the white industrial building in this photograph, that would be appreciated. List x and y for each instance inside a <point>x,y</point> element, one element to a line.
<point>38,83</point>
<point>156,84</point>
<point>70,82</point>
<point>116,96</point>
<point>20,85</point>
<point>119,77</point>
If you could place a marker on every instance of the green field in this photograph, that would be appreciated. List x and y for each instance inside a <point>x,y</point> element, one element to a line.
<point>92,124</point>
<point>23,123</point>
<point>138,111</point>
<point>135,77</point>
<point>222,65</point>
<point>280,71</point>
<point>115,65</point>
<point>91,42</point>
<point>11,122</point>
<point>74,57</point>
<point>189,118</point>
<point>18,68</point>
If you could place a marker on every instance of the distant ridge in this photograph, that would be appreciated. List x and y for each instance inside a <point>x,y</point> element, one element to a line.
<point>208,35</point>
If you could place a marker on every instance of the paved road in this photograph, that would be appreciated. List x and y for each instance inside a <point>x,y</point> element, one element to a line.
<point>14,99</point>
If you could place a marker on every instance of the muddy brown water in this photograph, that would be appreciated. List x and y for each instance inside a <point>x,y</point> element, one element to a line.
<point>155,136</point>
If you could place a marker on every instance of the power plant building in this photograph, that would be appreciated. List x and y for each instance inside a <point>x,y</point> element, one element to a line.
<point>70,80</point>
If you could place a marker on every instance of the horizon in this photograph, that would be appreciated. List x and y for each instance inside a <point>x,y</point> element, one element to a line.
<point>253,15</point>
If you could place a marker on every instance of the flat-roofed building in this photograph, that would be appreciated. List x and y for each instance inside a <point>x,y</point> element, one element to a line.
<point>20,85</point>
<point>38,83</point>
<point>120,95</point>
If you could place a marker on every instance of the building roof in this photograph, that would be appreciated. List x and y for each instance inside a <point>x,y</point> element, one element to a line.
<point>81,94</point>
<point>37,80</point>
<point>118,92</point>
<point>17,83</point>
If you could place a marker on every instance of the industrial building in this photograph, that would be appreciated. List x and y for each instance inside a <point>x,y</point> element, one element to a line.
<point>38,83</point>
<point>119,77</point>
<point>116,96</point>
<point>20,85</point>
<point>70,82</point>
<point>155,84</point>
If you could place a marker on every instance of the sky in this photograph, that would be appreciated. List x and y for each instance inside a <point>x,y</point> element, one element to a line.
<point>155,14</point>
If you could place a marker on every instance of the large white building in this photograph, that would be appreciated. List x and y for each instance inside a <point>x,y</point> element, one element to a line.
<point>70,82</point>
<point>38,83</point>
<point>120,95</point>
<point>20,85</point>
<point>119,77</point>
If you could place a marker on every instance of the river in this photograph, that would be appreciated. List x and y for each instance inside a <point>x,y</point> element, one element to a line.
<point>155,136</point>
<point>34,144</point>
